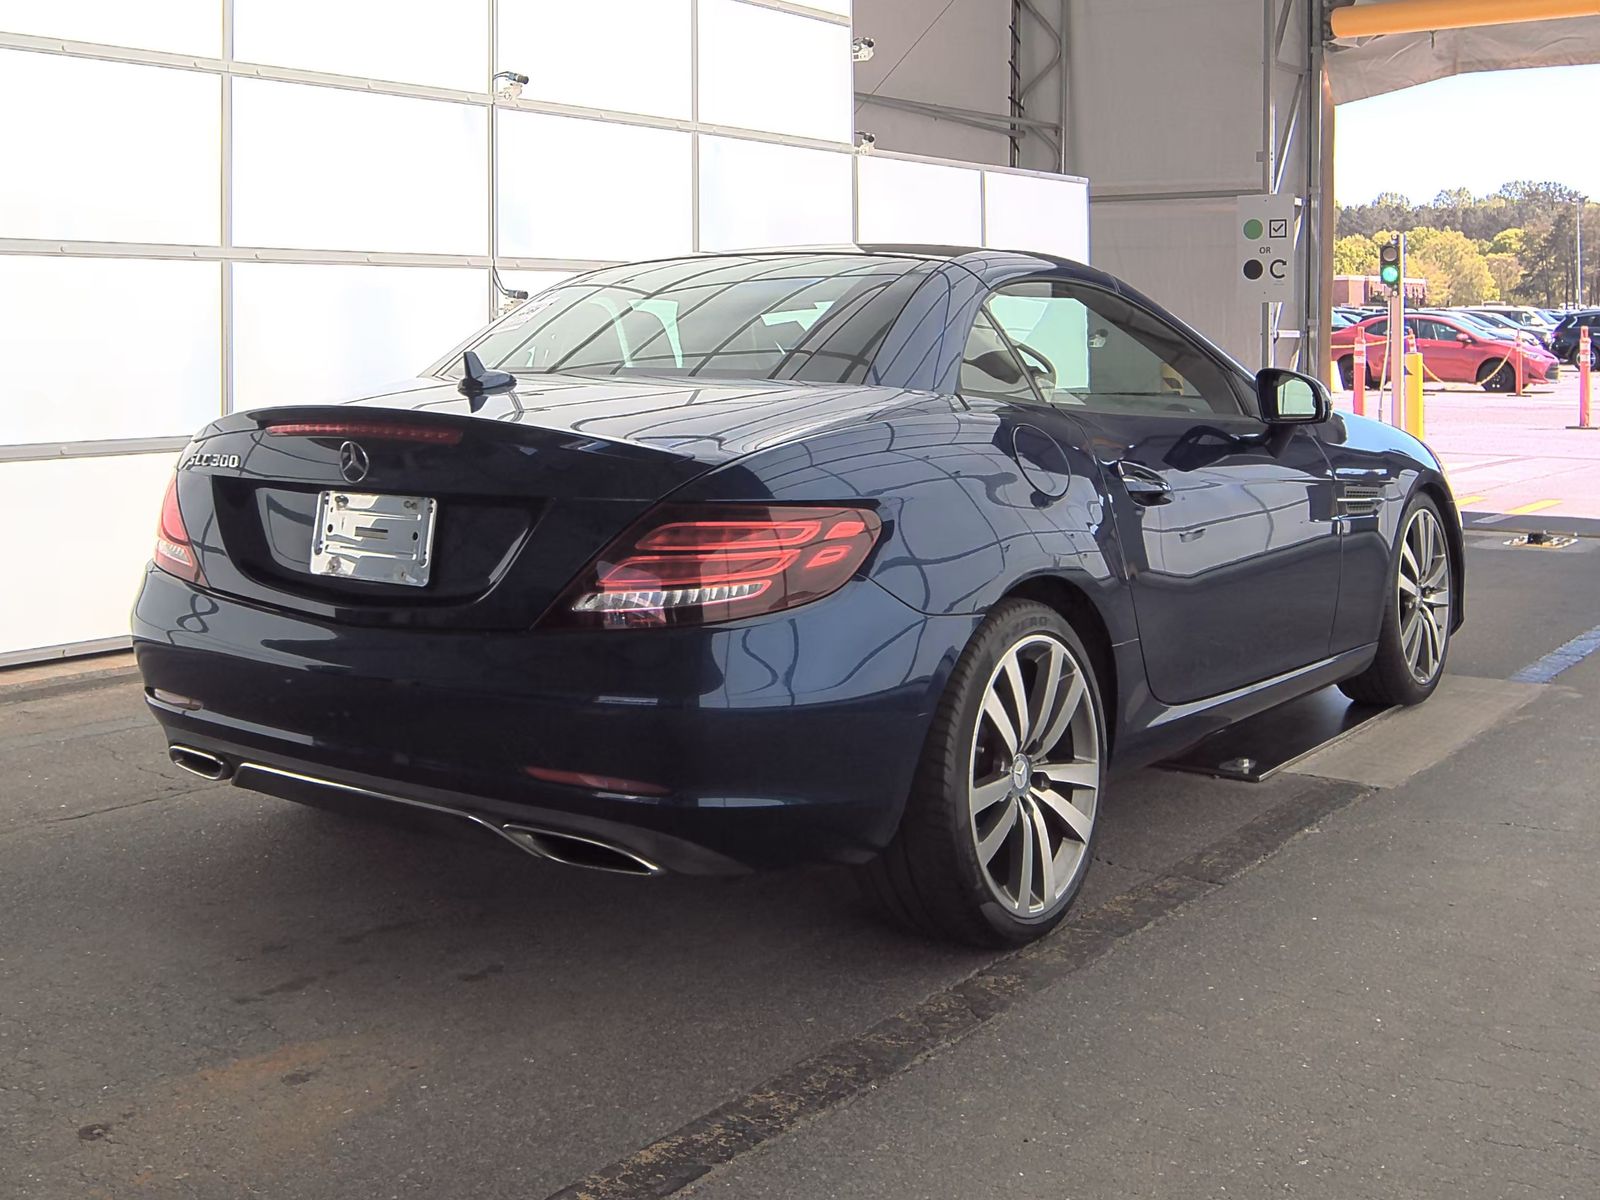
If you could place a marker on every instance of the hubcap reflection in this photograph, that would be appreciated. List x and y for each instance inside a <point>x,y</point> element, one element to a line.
<point>1034,777</point>
<point>1423,595</point>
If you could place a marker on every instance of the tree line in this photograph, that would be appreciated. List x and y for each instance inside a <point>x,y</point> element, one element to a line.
<point>1517,245</point>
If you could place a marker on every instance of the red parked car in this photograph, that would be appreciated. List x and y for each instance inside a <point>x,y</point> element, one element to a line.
<point>1453,351</point>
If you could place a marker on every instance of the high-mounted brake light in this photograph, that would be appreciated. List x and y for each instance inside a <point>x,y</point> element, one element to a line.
<point>377,430</point>
<point>693,564</point>
<point>174,552</point>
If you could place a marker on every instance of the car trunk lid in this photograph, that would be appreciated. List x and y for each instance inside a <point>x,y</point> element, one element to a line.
<point>505,504</point>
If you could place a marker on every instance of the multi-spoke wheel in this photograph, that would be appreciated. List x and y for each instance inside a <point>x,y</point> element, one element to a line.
<point>1415,636</point>
<point>997,833</point>
<point>1422,595</point>
<point>1035,774</point>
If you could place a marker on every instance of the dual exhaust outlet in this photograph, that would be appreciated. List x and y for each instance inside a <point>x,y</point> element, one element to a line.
<point>566,848</point>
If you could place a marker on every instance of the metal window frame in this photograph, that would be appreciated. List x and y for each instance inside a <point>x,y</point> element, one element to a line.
<point>228,68</point>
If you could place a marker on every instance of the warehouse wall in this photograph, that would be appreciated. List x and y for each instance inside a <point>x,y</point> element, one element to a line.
<point>214,204</point>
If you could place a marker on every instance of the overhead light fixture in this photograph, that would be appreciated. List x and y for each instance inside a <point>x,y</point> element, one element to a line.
<point>861,49</point>
<point>865,141</point>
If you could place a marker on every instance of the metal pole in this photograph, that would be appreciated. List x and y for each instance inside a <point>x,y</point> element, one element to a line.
<point>1582,200</point>
<point>1268,145</point>
<point>1065,75</point>
<point>1397,340</point>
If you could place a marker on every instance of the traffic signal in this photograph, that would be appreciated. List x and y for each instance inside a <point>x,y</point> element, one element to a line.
<point>1389,263</point>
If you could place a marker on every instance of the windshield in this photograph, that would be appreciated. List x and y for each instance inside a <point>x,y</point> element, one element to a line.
<point>817,317</point>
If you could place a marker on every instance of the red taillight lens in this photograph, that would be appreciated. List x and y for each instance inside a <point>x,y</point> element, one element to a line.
<point>378,430</point>
<point>174,553</point>
<point>689,565</point>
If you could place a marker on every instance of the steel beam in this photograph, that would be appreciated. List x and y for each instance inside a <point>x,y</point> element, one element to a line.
<point>1424,16</point>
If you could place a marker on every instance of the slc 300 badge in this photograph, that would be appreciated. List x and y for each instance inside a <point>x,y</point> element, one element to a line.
<point>210,460</point>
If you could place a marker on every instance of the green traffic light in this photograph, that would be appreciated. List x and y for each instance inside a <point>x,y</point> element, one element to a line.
<point>1389,274</point>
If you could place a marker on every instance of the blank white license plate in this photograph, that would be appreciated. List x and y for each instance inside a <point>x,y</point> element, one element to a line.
<point>376,539</point>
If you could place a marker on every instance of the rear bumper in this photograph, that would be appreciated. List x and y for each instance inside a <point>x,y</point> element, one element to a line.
<point>757,744</point>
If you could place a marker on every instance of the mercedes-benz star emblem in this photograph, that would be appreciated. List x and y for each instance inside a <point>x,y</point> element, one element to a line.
<point>353,462</point>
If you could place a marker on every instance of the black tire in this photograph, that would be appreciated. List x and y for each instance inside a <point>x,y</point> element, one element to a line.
<point>1389,681</point>
<point>1347,372</point>
<point>929,877</point>
<point>1497,379</point>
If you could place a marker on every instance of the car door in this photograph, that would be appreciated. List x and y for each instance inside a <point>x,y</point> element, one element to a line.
<point>1226,527</point>
<point>1443,354</point>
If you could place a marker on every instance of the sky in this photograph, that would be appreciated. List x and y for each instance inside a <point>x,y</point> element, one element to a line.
<point>1472,131</point>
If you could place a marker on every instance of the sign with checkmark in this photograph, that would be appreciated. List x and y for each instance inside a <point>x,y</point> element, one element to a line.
<point>1265,227</point>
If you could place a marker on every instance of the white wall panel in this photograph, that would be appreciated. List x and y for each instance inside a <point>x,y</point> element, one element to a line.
<point>438,42</point>
<point>627,55</point>
<point>1030,212</point>
<point>79,141</point>
<point>588,189</point>
<point>765,69</point>
<point>183,26</point>
<point>322,168</point>
<point>311,333</point>
<point>904,201</point>
<point>756,194</point>
<point>80,587</point>
<point>107,348</point>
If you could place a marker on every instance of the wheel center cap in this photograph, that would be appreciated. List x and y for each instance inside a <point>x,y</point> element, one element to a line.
<point>1021,773</point>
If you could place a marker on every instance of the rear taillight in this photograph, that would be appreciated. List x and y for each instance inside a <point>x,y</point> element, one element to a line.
<point>692,564</point>
<point>174,553</point>
<point>377,430</point>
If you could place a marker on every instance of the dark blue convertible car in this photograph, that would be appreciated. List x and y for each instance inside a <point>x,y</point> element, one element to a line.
<point>878,556</point>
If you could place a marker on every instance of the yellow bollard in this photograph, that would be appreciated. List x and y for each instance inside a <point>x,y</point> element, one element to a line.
<point>1412,421</point>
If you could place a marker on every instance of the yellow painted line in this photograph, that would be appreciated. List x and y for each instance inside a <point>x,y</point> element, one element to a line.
<point>1523,510</point>
<point>1464,501</point>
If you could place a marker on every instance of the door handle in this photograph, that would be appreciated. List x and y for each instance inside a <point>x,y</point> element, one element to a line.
<point>1144,485</point>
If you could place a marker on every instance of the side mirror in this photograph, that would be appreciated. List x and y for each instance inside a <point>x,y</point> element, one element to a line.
<point>1290,398</point>
<point>1464,338</point>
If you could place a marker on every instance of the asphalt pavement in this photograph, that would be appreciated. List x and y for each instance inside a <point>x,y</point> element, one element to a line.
<point>1374,974</point>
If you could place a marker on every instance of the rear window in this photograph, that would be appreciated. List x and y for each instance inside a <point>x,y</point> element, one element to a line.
<point>817,317</point>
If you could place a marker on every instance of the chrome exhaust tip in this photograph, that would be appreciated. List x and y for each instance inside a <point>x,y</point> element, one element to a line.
<point>574,851</point>
<point>198,762</point>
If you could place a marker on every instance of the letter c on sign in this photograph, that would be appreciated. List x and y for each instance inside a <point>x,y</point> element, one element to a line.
<point>1279,268</point>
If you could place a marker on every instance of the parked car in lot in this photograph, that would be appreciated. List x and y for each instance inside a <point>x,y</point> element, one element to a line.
<point>1564,341</point>
<point>1523,316</point>
<point>1454,349</point>
<point>733,562</point>
<point>1509,325</point>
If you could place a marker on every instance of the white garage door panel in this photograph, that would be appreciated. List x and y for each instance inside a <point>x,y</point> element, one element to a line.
<point>322,168</point>
<point>437,42</point>
<point>308,334</point>
<point>183,26</point>
<point>111,505</point>
<point>916,202</point>
<point>625,55</point>
<point>754,194</point>
<point>591,190</point>
<point>79,167</point>
<point>97,349</point>
<point>1029,212</point>
<point>1176,251</point>
<point>763,69</point>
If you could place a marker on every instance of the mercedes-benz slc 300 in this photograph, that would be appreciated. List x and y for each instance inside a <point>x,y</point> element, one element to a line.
<point>876,556</point>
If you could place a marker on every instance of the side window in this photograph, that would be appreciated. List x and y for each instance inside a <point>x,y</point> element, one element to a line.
<point>989,368</point>
<point>1379,328</point>
<point>1089,349</point>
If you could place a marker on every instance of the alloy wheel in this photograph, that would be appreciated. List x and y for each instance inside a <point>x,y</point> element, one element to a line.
<point>1423,595</point>
<point>1034,775</point>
